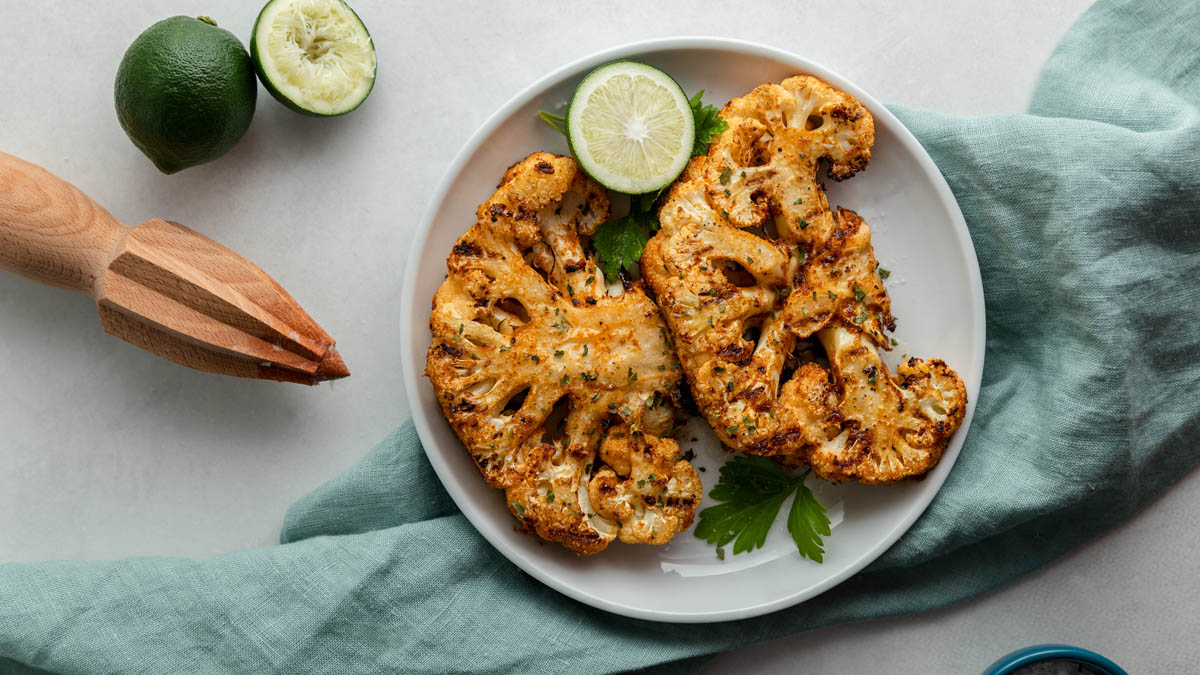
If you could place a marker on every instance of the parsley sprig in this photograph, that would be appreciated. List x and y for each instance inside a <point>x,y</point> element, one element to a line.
<point>708,124</point>
<point>619,242</point>
<point>753,489</point>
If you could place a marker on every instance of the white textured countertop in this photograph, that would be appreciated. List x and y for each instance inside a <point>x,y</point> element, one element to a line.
<point>108,451</point>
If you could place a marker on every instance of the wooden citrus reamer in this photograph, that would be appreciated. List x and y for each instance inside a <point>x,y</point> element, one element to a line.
<point>159,286</point>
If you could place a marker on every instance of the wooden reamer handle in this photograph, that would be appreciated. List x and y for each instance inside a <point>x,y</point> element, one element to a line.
<point>51,232</point>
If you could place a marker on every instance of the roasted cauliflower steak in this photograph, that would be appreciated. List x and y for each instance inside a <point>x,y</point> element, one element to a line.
<point>756,275</point>
<point>562,388</point>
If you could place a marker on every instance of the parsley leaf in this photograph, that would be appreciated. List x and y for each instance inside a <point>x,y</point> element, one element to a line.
<point>807,522</point>
<point>708,124</point>
<point>619,242</point>
<point>753,490</point>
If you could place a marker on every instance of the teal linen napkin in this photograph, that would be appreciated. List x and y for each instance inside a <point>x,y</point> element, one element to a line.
<point>1085,214</point>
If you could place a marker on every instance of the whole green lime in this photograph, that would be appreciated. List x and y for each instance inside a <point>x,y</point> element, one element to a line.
<point>185,92</point>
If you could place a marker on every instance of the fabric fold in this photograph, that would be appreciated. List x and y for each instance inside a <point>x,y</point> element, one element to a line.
<point>392,485</point>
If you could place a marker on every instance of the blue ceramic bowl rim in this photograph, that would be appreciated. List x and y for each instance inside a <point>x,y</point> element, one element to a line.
<point>1039,653</point>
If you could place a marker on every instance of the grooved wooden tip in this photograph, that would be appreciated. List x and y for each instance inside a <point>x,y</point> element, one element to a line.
<point>331,367</point>
<point>160,286</point>
<point>183,296</point>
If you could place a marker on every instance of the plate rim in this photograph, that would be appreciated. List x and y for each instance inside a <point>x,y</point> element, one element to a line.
<point>410,374</point>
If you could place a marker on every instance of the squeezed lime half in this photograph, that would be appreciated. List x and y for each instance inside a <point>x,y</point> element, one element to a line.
<point>314,56</point>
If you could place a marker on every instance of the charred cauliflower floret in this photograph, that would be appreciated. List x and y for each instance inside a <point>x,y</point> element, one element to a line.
<point>764,167</point>
<point>561,388</point>
<point>756,275</point>
<point>892,427</point>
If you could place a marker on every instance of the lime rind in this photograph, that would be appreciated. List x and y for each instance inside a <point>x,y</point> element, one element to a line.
<point>185,92</point>
<point>630,127</point>
<point>314,56</point>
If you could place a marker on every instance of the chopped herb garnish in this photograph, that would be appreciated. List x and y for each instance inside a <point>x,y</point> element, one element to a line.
<point>883,274</point>
<point>832,295</point>
<point>859,294</point>
<point>726,173</point>
<point>558,353</point>
<point>549,496</point>
<point>519,508</point>
<point>802,223</point>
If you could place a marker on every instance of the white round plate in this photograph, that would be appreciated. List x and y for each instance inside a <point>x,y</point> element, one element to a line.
<point>935,289</point>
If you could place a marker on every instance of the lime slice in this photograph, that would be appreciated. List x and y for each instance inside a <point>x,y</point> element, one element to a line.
<point>314,56</point>
<point>630,127</point>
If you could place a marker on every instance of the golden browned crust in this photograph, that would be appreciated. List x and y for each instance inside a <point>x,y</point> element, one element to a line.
<point>560,387</point>
<point>750,262</point>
